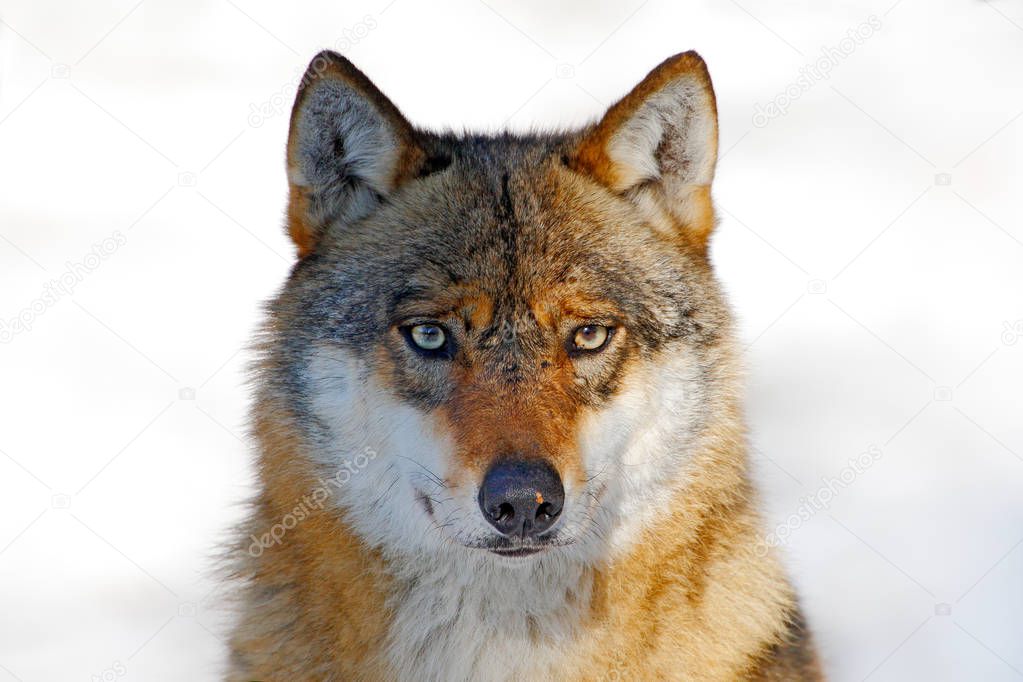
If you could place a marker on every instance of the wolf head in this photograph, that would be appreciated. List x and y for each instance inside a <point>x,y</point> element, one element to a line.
<point>512,346</point>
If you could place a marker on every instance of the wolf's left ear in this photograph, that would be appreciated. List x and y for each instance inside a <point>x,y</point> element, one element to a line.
<point>348,147</point>
<point>658,146</point>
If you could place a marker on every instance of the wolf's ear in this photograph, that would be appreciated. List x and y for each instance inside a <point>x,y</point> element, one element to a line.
<point>658,146</point>
<point>348,147</point>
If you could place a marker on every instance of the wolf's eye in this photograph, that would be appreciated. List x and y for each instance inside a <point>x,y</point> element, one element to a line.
<point>591,337</point>
<point>428,337</point>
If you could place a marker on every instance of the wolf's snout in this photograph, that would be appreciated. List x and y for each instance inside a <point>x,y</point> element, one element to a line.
<point>522,498</point>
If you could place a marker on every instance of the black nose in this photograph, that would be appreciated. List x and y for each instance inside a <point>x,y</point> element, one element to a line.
<point>522,498</point>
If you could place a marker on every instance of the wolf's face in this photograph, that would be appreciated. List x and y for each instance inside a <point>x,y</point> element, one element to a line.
<point>509,344</point>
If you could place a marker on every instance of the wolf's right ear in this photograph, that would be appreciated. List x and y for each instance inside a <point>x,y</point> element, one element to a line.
<point>348,147</point>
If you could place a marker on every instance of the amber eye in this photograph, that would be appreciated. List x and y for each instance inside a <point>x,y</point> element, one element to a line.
<point>428,337</point>
<point>591,337</point>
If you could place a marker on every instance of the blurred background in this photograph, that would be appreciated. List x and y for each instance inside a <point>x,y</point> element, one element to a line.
<point>871,241</point>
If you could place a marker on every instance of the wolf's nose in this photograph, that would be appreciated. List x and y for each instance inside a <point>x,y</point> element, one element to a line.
<point>522,498</point>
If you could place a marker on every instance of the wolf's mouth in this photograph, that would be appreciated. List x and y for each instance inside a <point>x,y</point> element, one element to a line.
<point>519,552</point>
<point>504,548</point>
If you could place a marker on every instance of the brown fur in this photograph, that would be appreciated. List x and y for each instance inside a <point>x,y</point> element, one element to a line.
<point>691,597</point>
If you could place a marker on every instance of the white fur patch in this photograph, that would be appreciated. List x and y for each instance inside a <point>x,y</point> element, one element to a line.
<point>637,447</point>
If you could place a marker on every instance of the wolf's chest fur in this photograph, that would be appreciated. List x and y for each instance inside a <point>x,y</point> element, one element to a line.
<point>454,624</point>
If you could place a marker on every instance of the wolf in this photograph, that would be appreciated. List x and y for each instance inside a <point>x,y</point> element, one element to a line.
<point>497,408</point>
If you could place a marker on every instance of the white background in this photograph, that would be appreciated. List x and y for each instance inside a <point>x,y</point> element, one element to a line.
<point>871,242</point>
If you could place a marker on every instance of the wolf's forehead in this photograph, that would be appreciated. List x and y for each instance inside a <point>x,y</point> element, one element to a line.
<point>505,234</point>
<point>484,304</point>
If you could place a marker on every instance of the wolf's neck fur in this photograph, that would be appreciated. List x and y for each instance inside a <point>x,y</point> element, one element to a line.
<point>477,617</point>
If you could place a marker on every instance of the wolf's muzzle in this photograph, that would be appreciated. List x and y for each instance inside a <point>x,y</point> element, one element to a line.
<point>521,498</point>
